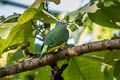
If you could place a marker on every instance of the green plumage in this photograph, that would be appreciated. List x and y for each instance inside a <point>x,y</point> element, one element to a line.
<point>55,37</point>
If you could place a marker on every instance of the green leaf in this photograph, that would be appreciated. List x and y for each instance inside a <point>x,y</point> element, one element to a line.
<point>117,70</point>
<point>12,57</point>
<point>32,44</point>
<point>90,69</point>
<point>76,72</point>
<point>5,29</point>
<point>78,19</point>
<point>37,48</point>
<point>43,74</point>
<point>27,15</point>
<point>106,16</point>
<point>88,23</point>
<point>61,62</point>
<point>71,16</point>
<point>12,18</point>
<point>2,18</point>
<point>32,13</point>
<point>18,34</point>
<point>1,43</point>
<point>7,78</point>
<point>99,53</point>
<point>108,3</point>
<point>27,75</point>
<point>111,55</point>
<point>45,17</point>
<point>108,73</point>
<point>36,12</point>
<point>73,27</point>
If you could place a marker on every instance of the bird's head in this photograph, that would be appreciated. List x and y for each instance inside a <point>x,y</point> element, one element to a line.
<point>61,23</point>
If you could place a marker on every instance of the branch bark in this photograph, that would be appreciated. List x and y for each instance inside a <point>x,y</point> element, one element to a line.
<point>63,54</point>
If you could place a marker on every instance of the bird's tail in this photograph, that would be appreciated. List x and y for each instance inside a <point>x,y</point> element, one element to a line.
<point>44,50</point>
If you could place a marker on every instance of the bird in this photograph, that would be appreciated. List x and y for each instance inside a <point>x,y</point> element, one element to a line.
<point>55,39</point>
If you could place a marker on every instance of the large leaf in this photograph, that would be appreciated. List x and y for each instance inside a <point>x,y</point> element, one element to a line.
<point>18,34</point>
<point>5,29</point>
<point>39,14</point>
<point>45,17</point>
<point>106,16</point>
<point>111,56</point>
<point>30,12</point>
<point>88,68</point>
<point>27,15</point>
<point>73,72</point>
<point>43,74</point>
<point>14,57</point>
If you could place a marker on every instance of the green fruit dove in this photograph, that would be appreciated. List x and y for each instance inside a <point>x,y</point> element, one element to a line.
<point>55,38</point>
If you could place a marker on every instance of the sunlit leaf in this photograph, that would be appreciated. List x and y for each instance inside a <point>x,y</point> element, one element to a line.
<point>45,17</point>
<point>18,34</point>
<point>5,29</point>
<point>105,17</point>
<point>27,15</point>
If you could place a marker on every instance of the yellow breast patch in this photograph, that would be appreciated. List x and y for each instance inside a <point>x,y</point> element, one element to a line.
<point>56,47</point>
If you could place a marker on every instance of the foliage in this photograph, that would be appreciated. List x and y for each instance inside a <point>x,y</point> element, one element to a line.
<point>98,19</point>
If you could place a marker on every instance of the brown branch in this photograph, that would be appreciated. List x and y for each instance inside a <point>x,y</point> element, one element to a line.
<point>63,54</point>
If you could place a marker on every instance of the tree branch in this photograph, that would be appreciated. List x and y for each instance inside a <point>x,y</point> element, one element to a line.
<point>63,54</point>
